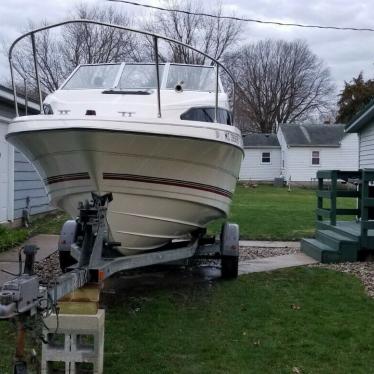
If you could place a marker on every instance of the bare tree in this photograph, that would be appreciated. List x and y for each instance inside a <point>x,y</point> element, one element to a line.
<point>60,51</point>
<point>214,36</point>
<point>280,82</point>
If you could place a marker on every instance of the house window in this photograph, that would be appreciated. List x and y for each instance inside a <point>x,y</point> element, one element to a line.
<point>315,158</point>
<point>265,159</point>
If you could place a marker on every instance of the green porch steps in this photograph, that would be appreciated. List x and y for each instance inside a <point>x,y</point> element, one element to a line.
<point>331,246</point>
<point>346,231</point>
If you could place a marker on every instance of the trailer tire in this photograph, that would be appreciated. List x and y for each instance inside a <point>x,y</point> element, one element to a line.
<point>66,260</point>
<point>229,250</point>
<point>229,267</point>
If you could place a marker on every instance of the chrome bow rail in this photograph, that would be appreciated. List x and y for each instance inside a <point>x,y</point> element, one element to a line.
<point>155,38</point>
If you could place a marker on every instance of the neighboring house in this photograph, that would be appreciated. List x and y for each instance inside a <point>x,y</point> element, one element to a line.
<point>302,151</point>
<point>363,125</point>
<point>20,184</point>
<point>262,157</point>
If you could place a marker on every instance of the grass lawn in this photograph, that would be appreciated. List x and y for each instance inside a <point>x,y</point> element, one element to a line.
<point>315,320</point>
<point>263,213</point>
<point>48,224</point>
<point>273,213</point>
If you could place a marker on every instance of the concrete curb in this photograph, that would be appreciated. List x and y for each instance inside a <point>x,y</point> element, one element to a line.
<point>268,244</point>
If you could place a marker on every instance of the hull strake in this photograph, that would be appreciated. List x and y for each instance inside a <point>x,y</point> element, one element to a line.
<point>163,187</point>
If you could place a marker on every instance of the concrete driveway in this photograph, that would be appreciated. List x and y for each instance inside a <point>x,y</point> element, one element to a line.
<point>9,260</point>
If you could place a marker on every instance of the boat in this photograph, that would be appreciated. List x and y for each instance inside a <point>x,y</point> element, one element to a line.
<point>158,136</point>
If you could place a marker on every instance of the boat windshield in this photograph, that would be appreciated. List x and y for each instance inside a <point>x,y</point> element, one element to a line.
<point>140,76</point>
<point>93,77</point>
<point>194,78</point>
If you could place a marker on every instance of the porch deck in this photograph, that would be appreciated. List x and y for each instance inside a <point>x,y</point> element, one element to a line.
<point>351,228</point>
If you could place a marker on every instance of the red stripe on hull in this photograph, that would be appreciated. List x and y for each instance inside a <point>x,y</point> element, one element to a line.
<point>169,182</point>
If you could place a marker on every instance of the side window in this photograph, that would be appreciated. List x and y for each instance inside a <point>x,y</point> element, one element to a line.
<point>265,158</point>
<point>315,158</point>
<point>206,114</point>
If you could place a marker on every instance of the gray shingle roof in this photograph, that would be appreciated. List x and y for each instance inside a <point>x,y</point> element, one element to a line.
<point>313,135</point>
<point>362,118</point>
<point>6,96</point>
<point>260,140</point>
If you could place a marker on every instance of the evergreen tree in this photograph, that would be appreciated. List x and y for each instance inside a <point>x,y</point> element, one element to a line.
<point>354,97</point>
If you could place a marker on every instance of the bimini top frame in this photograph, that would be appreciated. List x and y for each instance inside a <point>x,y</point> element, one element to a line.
<point>155,38</point>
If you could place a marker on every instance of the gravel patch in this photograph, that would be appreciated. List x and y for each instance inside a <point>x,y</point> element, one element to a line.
<point>362,270</point>
<point>251,253</point>
<point>48,269</point>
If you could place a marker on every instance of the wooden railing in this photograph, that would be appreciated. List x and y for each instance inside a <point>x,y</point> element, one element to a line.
<point>331,192</point>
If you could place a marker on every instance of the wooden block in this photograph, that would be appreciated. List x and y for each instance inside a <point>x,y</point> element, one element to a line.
<point>84,300</point>
<point>78,307</point>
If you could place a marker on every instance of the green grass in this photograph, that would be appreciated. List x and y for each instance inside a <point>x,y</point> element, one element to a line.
<point>48,224</point>
<point>243,326</point>
<point>271,213</point>
<point>263,213</point>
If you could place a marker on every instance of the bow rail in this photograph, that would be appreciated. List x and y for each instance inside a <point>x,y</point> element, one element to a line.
<point>155,38</point>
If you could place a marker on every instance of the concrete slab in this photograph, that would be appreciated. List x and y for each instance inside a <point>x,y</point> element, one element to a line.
<point>47,244</point>
<point>8,266</point>
<point>268,244</point>
<point>9,260</point>
<point>275,263</point>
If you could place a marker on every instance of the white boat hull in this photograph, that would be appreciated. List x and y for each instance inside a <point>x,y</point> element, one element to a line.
<point>165,185</point>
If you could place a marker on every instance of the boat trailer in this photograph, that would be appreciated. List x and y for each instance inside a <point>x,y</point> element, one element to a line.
<point>87,255</point>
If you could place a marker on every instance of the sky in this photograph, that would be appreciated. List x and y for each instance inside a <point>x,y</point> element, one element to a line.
<point>346,53</point>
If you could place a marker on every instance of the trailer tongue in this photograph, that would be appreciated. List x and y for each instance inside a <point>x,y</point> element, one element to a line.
<point>87,255</point>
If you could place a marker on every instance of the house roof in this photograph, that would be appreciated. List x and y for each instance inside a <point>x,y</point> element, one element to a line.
<point>362,118</point>
<point>6,96</point>
<point>312,135</point>
<point>260,141</point>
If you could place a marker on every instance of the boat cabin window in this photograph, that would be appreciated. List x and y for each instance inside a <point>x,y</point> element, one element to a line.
<point>92,77</point>
<point>206,114</point>
<point>194,78</point>
<point>140,76</point>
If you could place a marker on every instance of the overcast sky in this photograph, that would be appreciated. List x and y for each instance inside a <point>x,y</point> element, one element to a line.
<point>346,53</point>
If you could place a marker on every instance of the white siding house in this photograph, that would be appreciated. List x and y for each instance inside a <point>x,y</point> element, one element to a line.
<point>302,151</point>
<point>262,158</point>
<point>366,147</point>
<point>363,125</point>
<point>20,184</point>
<point>314,149</point>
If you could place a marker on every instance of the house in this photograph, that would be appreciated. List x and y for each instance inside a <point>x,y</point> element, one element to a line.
<point>363,125</point>
<point>20,185</point>
<point>262,159</point>
<point>336,239</point>
<point>297,152</point>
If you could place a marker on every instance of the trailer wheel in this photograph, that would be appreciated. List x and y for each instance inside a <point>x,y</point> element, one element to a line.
<point>229,251</point>
<point>229,267</point>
